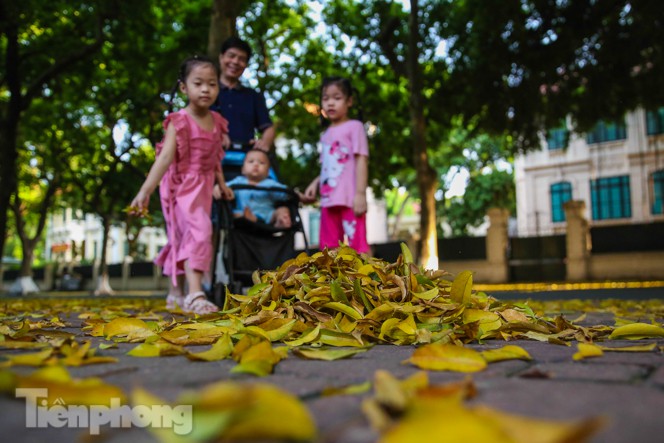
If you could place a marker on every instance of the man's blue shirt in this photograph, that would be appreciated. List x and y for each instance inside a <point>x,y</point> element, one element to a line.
<point>246,112</point>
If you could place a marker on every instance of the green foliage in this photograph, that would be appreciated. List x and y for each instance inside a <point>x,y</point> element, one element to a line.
<point>524,66</point>
<point>494,188</point>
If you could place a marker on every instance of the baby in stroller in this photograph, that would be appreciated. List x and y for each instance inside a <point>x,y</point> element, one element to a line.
<point>257,230</point>
<point>260,205</point>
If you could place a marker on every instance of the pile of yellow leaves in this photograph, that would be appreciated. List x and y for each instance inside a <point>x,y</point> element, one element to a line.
<point>338,298</point>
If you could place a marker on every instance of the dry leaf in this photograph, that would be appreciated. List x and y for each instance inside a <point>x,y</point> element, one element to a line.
<point>444,357</point>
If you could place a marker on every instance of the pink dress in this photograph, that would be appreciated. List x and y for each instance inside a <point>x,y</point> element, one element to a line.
<point>186,193</point>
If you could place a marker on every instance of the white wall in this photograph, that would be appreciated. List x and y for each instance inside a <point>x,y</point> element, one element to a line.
<point>637,156</point>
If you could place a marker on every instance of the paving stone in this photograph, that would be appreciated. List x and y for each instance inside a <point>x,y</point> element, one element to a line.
<point>598,372</point>
<point>633,412</point>
<point>657,377</point>
<point>626,388</point>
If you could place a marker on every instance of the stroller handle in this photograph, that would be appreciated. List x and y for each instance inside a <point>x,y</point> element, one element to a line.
<point>288,191</point>
<point>240,146</point>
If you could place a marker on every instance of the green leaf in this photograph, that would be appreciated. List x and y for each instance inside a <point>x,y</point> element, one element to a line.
<point>462,287</point>
<point>337,292</point>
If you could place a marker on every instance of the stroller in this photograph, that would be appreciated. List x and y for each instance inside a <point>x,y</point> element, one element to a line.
<point>243,246</point>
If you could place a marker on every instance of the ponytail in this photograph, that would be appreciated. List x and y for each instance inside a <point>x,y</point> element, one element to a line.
<point>171,97</point>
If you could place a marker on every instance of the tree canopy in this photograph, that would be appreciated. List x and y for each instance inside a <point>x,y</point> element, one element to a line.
<point>432,75</point>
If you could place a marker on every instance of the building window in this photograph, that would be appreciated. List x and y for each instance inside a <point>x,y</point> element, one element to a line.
<point>607,132</point>
<point>657,192</point>
<point>557,138</point>
<point>610,198</point>
<point>655,121</point>
<point>560,193</point>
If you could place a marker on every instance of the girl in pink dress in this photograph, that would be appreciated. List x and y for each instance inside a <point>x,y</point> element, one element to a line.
<point>344,168</point>
<point>187,166</point>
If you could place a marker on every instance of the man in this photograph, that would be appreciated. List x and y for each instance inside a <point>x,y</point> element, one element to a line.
<point>243,107</point>
<point>247,115</point>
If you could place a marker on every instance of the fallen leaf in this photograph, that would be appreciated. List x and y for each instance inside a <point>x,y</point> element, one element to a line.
<point>509,352</point>
<point>326,354</point>
<point>444,357</point>
<point>221,349</point>
<point>587,350</point>
<point>637,331</point>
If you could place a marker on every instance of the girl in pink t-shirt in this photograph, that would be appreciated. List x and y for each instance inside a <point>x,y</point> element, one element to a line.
<point>343,178</point>
<point>187,166</point>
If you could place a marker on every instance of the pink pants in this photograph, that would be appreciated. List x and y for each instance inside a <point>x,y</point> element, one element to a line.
<point>337,221</point>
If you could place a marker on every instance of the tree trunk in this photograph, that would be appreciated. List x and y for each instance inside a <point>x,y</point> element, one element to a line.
<point>427,180</point>
<point>397,219</point>
<point>10,119</point>
<point>103,284</point>
<point>222,24</point>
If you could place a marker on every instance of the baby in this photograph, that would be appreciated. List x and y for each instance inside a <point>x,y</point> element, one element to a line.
<point>257,205</point>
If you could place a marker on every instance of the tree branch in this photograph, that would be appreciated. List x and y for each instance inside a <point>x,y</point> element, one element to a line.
<point>386,43</point>
<point>34,89</point>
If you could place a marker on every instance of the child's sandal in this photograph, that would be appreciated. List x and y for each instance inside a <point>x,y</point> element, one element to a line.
<point>174,302</point>
<point>197,303</point>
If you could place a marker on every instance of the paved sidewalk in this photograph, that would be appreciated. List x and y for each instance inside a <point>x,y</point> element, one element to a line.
<point>626,388</point>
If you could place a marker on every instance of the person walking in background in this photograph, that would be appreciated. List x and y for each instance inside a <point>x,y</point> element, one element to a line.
<point>260,205</point>
<point>187,165</point>
<point>344,169</point>
<point>243,107</point>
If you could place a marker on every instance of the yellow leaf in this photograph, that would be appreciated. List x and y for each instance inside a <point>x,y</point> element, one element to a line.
<point>387,327</point>
<point>183,337</point>
<point>127,327</point>
<point>326,353</point>
<point>462,287</point>
<point>60,386</point>
<point>427,295</point>
<point>446,417</point>
<point>512,315</point>
<point>171,423</point>
<point>444,357</point>
<point>256,412</point>
<point>408,325</point>
<point>259,368</point>
<point>407,255</point>
<point>586,350</point>
<point>156,349</point>
<point>306,337</point>
<point>8,343</point>
<point>30,359</point>
<point>366,269</point>
<point>637,331</point>
<point>637,348</point>
<point>334,338</point>
<point>279,333</point>
<point>221,349</point>
<point>258,359</point>
<point>256,332</point>
<point>509,352</point>
<point>344,308</point>
<point>357,389</point>
<point>488,321</point>
<point>530,430</point>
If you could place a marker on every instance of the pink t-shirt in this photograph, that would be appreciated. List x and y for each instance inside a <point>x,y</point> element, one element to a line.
<point>340,145</point>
